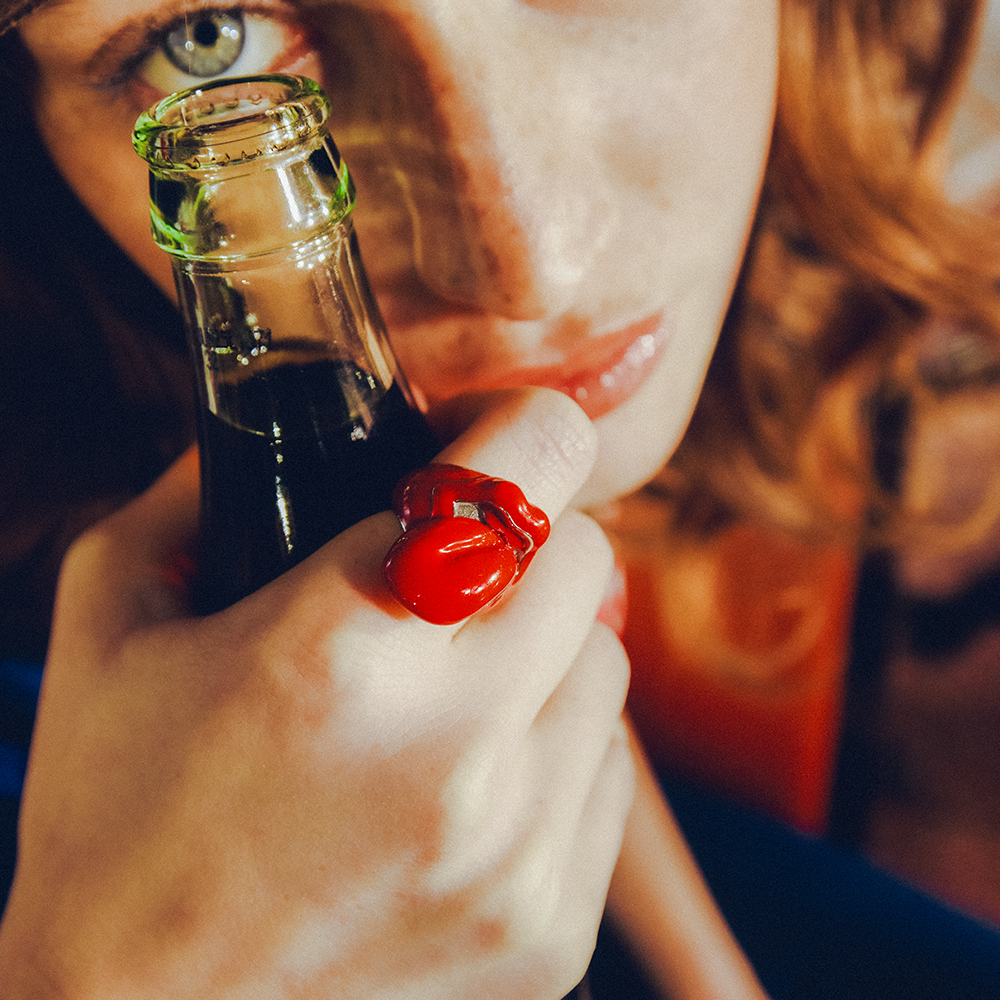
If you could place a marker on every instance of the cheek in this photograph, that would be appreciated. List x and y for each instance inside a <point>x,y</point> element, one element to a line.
<point>92,148</point>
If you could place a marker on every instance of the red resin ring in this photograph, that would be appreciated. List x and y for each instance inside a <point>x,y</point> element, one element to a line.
<point>466,538</point>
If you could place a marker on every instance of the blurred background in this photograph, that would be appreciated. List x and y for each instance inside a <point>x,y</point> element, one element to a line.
<point>856,698</point>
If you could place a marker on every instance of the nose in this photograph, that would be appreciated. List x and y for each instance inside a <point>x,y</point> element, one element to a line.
<point>485,141</point>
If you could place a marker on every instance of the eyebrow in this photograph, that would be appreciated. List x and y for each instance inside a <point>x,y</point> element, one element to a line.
<point>11,11</point>
<point>135,27</point>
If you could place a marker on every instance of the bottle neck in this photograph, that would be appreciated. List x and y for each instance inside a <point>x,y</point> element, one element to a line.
<point>242,167</point>
<point>239,212</point>
<point>252,200</point>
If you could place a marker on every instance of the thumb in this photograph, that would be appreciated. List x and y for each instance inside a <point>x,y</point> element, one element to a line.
<point>537,438</point>
<point>131,569</point>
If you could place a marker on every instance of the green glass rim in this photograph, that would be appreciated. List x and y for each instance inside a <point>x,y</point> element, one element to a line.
<point>230,120</point>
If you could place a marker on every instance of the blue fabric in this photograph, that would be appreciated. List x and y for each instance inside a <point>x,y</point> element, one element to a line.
<point>19,687</point>
<point>13,761</point>
<point>817,922</point>
<point>20,682</point>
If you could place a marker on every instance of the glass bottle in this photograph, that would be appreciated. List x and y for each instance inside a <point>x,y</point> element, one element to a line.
<point>305,422</point>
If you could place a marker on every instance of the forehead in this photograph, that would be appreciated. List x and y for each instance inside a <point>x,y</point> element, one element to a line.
<point>69,36</point>
<point>11,11</point>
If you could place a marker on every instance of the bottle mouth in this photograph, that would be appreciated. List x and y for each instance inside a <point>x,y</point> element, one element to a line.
<point>230,121</point>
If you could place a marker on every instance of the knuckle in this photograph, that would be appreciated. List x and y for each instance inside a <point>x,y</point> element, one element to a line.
<point>592,554</point>
<point>613,671</point>
<point>87,552</point>
<point>88,564</point>
<point>531,901</point>
<point>468,795</point>
<point>563,948</point>
<point>571,956</point>
<point>552,956</point>
<point>621,763</point>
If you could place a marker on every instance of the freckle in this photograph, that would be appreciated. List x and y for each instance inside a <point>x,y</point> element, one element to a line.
<point>489,934</point>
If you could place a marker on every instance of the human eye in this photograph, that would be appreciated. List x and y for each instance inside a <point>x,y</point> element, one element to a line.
<point>213,43</point>
<point>199,45</point>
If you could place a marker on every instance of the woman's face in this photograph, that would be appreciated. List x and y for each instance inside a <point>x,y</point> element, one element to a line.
<point>551,192</point>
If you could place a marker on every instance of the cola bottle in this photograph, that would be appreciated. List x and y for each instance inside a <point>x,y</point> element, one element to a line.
<point>305,422</point>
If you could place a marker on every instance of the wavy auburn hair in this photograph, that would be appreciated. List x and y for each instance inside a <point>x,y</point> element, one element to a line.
<point>810,393</point>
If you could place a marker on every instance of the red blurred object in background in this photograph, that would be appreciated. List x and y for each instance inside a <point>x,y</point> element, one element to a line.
<point>739,647</point>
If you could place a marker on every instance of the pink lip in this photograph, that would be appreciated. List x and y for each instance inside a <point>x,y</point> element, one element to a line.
<point>604,374</point>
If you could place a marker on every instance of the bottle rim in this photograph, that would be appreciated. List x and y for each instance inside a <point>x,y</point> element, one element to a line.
<point>230,120</point>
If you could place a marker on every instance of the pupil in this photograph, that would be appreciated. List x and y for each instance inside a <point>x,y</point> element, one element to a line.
<point>206,33</point>
<point>209,46</point>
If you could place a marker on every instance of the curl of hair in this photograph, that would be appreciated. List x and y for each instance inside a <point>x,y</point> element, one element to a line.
<point>811,394</point>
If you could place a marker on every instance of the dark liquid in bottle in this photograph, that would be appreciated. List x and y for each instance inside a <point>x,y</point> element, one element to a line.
<point>292,467</point>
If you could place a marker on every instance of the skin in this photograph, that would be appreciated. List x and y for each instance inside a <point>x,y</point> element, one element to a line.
<point>506,228</point>
<point>534,179</point>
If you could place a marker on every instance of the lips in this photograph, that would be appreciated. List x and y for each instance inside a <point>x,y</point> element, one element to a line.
<point>604,387</point>
<point>448,352</point>
<point>605,372</point>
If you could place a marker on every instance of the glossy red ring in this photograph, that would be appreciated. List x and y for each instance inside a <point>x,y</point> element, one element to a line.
<point>466,538</point>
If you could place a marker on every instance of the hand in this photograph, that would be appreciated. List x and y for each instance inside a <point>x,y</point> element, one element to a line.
<point>313,793</point>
